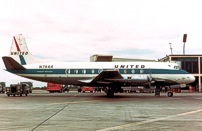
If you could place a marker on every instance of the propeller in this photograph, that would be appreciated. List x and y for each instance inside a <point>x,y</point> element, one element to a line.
<point>150,79</point>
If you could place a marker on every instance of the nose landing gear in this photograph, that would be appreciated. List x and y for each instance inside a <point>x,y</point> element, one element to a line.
<point>170,94</point>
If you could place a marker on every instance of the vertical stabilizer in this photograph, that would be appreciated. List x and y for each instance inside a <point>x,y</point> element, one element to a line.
<point>20,53</point>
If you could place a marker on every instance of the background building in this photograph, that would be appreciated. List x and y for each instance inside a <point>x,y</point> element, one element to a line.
<point>109,58</point>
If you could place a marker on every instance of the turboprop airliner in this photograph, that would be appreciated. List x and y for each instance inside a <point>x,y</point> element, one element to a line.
<point>109,75</point>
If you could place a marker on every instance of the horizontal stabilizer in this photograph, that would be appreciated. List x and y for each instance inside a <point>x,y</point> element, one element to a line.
<point>11,64</point>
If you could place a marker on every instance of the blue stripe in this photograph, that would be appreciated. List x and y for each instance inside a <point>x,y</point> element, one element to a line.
<point>22,60</point>
<point>88,71</point>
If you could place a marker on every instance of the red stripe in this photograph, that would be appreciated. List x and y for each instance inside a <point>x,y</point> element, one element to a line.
<point>16,44</point>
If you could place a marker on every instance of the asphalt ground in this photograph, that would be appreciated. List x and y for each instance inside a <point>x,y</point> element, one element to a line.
<point>42,111</point>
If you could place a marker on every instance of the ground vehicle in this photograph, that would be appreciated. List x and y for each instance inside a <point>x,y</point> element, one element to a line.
<point>84,89</point>
<point>97,89</point>
<point>29,86</point>
<point>2,87</point>
<point>51,87</point>
<point>17,89</point>
<point>126,89</point>
<point>66,88</point>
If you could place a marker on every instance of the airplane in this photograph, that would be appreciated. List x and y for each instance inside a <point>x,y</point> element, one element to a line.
<point>112,76</point>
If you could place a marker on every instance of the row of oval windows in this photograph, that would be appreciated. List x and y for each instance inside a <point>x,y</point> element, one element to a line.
<point>68,71</point>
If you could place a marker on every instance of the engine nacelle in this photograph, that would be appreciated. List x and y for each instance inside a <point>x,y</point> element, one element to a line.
<point>130,79</point>
<point>175,86</point>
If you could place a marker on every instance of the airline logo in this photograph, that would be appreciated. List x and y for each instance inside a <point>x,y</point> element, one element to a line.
<point>18,49</point>
<point>19,53</point>
<point>129,66</point>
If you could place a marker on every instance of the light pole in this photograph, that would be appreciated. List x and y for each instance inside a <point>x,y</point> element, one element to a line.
<point>171,49</point>
<point>184,40</point>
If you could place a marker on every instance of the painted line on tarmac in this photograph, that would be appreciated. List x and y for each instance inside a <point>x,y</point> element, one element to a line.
<point>74,102</point>
<point>149,121</point>
<point>53,115</point>
<point>6,100</point>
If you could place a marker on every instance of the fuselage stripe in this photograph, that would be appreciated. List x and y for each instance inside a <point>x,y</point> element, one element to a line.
<point>96,71</point>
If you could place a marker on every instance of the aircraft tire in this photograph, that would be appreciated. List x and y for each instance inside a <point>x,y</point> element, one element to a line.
<point>110,94</point>
<point>170,94</point>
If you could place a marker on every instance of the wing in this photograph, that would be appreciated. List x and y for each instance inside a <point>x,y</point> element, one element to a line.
<point>109,74</point>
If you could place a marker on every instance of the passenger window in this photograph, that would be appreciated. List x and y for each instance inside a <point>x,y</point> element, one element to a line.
<point>75,71</point>
<point>141,71</point>
<point>93,71</point>
<point>133,71</point>
<point>100,70</point>
<point>67,71</point>
<point>83,71</point>
<point>125,71</point>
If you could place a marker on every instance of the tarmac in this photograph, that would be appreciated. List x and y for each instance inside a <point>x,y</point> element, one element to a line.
<point>73,111</point>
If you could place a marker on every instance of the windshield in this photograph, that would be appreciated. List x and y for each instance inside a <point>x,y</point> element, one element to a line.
<point>177,67</point>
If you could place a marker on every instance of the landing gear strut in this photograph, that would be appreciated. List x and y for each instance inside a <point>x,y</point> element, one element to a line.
<point>170,93</point>
<point>157,91</point>
<point>109,91</point>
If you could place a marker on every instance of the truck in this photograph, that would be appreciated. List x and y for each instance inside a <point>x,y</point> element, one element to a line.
<point>17,89</point>
<point>85,88</point>
<point>2,87</point>
<point>30,86</point>
<point>51,87</point>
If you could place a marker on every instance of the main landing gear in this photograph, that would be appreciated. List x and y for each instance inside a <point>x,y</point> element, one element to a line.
<point>111,90</point>
<point>158,90</point>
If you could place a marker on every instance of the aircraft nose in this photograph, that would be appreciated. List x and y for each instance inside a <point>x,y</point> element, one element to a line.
<point>192,78</point>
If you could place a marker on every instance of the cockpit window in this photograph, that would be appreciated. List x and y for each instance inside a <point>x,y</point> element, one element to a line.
<point>177,67</point>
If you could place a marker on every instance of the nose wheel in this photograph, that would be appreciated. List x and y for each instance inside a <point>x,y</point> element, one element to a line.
<point>170,94</point>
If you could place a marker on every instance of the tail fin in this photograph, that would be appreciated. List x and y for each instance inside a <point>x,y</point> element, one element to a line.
<point>20,53</point>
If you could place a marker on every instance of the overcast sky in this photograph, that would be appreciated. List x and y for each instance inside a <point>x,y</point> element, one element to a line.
<point>73,30</point>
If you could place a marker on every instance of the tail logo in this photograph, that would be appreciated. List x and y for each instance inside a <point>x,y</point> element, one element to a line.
<point>22,60</point>
<point>18,49</point>
<point>19,53</point>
